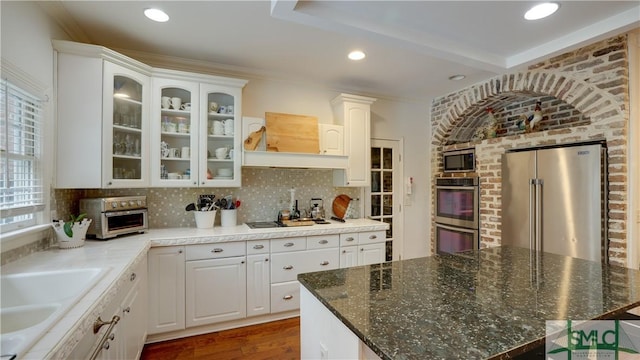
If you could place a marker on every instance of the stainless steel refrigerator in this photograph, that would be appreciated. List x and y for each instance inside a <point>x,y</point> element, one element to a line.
<point>554,200</point>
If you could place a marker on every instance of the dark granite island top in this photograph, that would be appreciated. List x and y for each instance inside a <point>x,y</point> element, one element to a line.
<point>489,304</point>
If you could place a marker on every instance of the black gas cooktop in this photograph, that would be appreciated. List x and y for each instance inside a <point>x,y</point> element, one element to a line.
<point>275,224</point>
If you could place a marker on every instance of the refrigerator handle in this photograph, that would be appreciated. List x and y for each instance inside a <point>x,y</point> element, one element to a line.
<point>532,244</point>
<point>539,205</point>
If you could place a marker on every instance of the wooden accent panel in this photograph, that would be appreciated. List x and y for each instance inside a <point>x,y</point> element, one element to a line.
<point>292,133</point>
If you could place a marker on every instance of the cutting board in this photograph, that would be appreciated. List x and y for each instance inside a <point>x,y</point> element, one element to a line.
<point>340,205</point>
<point>298,222</point>
<point>292,133</point>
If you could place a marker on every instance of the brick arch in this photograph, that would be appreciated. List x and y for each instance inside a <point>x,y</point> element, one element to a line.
<point>590,100</point>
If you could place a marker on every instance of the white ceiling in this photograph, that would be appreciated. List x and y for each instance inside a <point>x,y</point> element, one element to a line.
<point>412,46</point>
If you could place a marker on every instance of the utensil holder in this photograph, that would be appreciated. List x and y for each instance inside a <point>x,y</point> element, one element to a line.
<point>228,217</point>
<point>205,219</point>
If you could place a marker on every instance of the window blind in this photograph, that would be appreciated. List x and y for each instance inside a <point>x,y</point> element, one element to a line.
<point>21,179</point>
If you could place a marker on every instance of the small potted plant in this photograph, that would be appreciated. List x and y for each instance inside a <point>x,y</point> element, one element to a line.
<point>72,233</point>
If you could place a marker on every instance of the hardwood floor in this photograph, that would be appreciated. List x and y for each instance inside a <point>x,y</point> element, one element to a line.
<point>274,340</point>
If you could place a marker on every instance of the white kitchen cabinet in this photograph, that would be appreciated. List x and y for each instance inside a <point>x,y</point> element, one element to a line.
<point>331,139</point>
<point>133,318</point>
<point>102,120</point>
<point>202,128</point>
<point>126,339</point>
<point>362,248</point>
<point>174,128</point>
<point>354,114</point>
<point>166,289</point>
<point>258,285</point>
<point>215,290</point>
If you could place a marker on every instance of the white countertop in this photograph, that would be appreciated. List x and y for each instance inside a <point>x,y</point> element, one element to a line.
<point>122,254</point>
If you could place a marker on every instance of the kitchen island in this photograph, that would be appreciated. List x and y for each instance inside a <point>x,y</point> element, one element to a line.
<point>488,303</point>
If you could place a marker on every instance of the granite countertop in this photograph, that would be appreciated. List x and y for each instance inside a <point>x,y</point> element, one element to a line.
<point>484,305</point>
<point>120,255</point>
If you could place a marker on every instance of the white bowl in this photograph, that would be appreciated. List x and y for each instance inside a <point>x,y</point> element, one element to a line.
<point>224,172</point>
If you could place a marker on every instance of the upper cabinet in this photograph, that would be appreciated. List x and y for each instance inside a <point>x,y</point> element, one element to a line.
<point>195,130</point>
<point>123,124</point>
<point>354,114</point>
<point>103,118</point>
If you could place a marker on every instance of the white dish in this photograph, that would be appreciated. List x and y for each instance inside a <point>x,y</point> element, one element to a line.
<point>223,177</point>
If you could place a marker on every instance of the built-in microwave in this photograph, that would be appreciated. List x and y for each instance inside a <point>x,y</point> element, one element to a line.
<point>459,160</point>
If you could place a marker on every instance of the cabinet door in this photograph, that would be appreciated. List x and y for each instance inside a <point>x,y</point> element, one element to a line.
<point>331,139</point>
<point>133,318</point>
<point>215,290</point>
<point>174,129</point>
<point>258,285</point>
<point>348,256</point>
<point>371,254</point>
<point>125,127</point>
<point>166,289</point>
<point>220,133</point>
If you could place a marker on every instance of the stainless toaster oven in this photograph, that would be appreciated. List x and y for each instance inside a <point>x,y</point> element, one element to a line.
<point>113,216</point>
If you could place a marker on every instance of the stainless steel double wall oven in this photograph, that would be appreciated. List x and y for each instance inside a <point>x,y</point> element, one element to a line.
<point>457,218</point>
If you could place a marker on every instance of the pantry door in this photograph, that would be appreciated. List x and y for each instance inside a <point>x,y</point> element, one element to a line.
<point>384,196</point>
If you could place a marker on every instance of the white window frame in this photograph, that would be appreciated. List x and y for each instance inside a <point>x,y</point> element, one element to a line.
<point>29,87</point>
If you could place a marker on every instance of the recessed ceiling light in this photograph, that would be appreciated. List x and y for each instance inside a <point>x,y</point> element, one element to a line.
<point>456,77</point>
<point>541,11</point>
<point>356,55</point>
<point>156,15</point>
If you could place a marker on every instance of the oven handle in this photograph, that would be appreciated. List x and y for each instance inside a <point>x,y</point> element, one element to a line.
<point>441,187</point>
<point>125,212</point>
<point>457,228</point>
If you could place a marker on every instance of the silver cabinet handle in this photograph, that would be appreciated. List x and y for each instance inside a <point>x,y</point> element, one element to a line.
<point>287,297</point>
<point>288,267</point>
<point>289,244</point>
<point>373,237</point>
<point>349,239</point>
<point>217,250</point>
<point>111,337</point>
<point>105,346</point>
<point>258,247</point>
<point>324,263</point>
<point>323,242</point>
<point>132,277</point>
<point>127,309</point>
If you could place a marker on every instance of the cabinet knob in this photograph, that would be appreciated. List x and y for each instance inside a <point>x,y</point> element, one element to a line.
<point>373,237</point>
<point>127,309</point>
<point>217,250</point>
<point>179,251</point>
<point>267,259</point>
<point>105,346</point>
<point>109,183</point>
<point>344,251</point>
<point>132,277</point>
<point>323,242</point>
<point>289,244</point>
<point>203,183</point>
<point>111,337</point>
<point>288,267</point>
<point>195,183</point>
<point>287,297</point>
<point>258,246</point>
<point>242,262</point>
<point>324,263</point>
<point>361,249</point>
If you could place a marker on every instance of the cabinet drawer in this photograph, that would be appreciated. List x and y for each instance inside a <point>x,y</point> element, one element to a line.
<point>288,244</point>
<point>285,296</point>
<point>323,241</point>
<point>370,237</point>
<point>215,251</point>
<point>348,239</point>
<point>257,247</point>
<point>287,266</point>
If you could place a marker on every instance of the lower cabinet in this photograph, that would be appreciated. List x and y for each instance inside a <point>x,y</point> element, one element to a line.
<point>215,290</point>
<point>258,285</point>
<point>285,296</point>
<point>166,289</point>
<point>126,339</point>
<point>362,248</point>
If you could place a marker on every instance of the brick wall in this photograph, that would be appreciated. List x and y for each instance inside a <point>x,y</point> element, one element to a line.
<point>585,97</point>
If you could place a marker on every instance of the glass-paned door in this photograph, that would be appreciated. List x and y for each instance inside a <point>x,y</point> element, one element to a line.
<point>384,198</point>
<point>126,135</point>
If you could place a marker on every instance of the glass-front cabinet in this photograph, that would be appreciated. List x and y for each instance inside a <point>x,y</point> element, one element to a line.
<point>195,130</point>
<point>125,127</point>
<point>221,138</point>
<point>174,155</point>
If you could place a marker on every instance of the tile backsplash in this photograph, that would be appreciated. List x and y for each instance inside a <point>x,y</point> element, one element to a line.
<point>263,193</point>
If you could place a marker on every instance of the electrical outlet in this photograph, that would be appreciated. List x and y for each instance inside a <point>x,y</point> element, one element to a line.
<point>324,352</point>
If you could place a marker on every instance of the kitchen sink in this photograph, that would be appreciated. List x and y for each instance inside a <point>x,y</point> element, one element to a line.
<point>263,224</point>
<point>31,303</point>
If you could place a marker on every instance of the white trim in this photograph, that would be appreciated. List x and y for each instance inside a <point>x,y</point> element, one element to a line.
<point>18,238</point>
